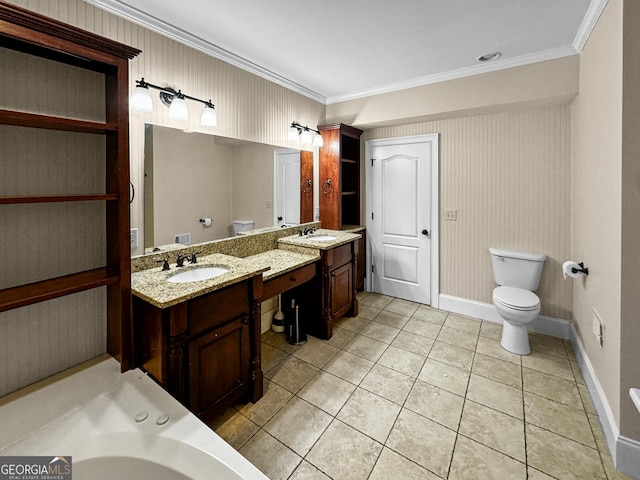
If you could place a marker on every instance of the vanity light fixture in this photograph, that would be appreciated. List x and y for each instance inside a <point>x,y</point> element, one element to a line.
<point>141,101</point>
<point>296,130</point>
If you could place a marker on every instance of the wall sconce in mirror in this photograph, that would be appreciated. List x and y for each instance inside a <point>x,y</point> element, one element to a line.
<point>296,130</point>
<point>141,101</point>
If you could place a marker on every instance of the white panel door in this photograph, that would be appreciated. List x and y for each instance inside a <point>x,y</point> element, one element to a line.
<point>401,220</point>
<point>287,188</point>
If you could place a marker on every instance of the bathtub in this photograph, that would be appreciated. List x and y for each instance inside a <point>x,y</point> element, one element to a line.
<point>136,430</point>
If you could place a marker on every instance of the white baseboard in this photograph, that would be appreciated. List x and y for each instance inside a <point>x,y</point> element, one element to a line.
<point>486,311</point>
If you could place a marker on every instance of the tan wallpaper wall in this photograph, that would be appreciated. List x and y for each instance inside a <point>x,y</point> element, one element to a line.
<point>509,176</point>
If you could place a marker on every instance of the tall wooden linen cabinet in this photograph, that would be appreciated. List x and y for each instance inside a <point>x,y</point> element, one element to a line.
<point>81,103</point>
<point>339,176</point>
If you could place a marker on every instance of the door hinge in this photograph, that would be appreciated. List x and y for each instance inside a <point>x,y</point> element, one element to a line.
<point>371,215</point>
<point>372,160</point>
<point>373,267</point>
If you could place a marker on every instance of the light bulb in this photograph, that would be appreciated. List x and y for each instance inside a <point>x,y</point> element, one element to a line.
<point>209,116</point>
<point>317,141</point>
<point>141,100</point>
<point>178,109</point>
<point>305,137</point>
<point>293,133</point>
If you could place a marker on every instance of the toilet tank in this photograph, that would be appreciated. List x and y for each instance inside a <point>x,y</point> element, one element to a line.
<point>517,269</point>
<point>242,226</point>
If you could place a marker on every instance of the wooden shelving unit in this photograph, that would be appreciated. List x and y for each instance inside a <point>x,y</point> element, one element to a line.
<point>35,35</point>
<point>339,176</point>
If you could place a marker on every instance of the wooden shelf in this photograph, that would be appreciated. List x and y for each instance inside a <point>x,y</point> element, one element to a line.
<point>347,160</point>
<point>33,120</point>
<point>82,197</point>
<point>23,295</point>
<point>349,193</point>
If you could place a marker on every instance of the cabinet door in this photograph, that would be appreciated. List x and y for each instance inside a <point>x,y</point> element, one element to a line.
<point>341,290</point>
<point>219,367</point>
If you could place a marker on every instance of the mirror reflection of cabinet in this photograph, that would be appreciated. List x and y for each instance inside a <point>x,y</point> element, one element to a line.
<point>306,186</point>
<point>339,176</point>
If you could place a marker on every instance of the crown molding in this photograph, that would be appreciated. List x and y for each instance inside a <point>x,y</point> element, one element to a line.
<point>154,24</point>
<point>588,23</point>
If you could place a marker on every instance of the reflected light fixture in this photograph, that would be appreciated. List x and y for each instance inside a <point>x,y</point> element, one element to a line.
<point>304,133</point>
<point>141,102</point>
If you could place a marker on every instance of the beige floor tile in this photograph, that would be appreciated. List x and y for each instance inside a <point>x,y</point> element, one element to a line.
<point>222,417</point>
<point>569,349</point>
<point>380,332</point>
<point>273,399</point>
<point>466,324</point>
<point>413,343</point>
<point>459,338</point>
<point>340,337</point>
<point>612,473</point>
<point>349,367</point>
<point>577,373</point>
<point>370,414</point>
<point>328,392</point>
<point>493,429</point>
<point>587,403</point>
<point>366,347</point>
<point>560,457</point>
<point>306,471</point>
<point>283,425</point>
<point>292,374</point>
<point>402,361</point>
<point>435,404</point>
<point>403,307</point>
<point>367,312</point>
<point>492,348</point>
<point>392,319</point>
<point>390,466</point>
<point>354,324</point>
<point>596,428</point>
<point>498,370</point>
<point>491,330</point>
<point>361,295</point>
<point>377,300</point>
<point>473,461</point>
<point>546,344</point>
<point>388,383</point>
<point>423,441</point>
<point>344,453</point>
<point>445,376</point>
<point>551,364</point>
<point>495,395</point>
<point>430,315</point>
<point>316,352</point>
<point>452,355</point>
<point>279,340</point>
<point>270,456</point>
<point>534,474</point>
<point>558,418</point>
<point>271,356</point>
<point>267,335</point>
<point>551,387</point>
<point>422,327</point>
<point>237,430</point>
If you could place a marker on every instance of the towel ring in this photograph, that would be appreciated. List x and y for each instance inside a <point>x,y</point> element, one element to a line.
<point>327,187</point>
<point>307,186</point>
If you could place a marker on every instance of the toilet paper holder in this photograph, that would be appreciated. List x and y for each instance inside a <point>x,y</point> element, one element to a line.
<point>582,269</point>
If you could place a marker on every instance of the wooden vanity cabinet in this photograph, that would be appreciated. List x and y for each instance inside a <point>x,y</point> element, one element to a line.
<point>204,351</point>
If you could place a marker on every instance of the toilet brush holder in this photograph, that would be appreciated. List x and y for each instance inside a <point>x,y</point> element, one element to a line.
<point>277,324</point>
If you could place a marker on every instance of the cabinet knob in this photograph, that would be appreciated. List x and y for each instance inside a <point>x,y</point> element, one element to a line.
<point>292,279</point>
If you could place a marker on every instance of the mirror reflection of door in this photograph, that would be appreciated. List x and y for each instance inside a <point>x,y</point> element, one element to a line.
<point>287,188</point>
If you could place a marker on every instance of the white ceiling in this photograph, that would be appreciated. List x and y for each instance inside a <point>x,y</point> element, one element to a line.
<point>335,50</point>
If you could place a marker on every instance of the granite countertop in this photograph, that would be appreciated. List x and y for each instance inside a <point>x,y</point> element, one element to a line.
<point>308,241</point>
<point>281,261</point>
<point>151,284</point>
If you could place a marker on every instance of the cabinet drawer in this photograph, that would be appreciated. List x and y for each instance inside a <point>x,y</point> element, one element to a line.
<point>342,254</point>
<point>218,307</point>
<point>288,280</point>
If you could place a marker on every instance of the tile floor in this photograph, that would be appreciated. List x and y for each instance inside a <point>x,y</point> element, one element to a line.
<point>406,391</point>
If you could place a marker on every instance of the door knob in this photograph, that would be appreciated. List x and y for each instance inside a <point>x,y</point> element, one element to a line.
<point>279,219</point>
<point>425,232</point>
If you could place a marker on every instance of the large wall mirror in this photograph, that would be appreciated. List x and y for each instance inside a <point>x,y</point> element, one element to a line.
<point>193,176</point>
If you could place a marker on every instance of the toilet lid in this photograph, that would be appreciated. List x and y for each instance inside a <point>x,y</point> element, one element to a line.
<point>516,298</point>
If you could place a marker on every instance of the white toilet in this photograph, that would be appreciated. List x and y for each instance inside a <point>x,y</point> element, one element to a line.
<point>242,226</point>
<point>518,274</point>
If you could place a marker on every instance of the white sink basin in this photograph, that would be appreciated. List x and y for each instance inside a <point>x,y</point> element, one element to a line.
<point>321,238</point>
<point>197,274</point>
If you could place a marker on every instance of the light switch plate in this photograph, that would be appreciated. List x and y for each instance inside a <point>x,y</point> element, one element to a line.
<point>134,238</point>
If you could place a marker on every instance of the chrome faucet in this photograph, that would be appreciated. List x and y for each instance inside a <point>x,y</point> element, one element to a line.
<point>180,260</point>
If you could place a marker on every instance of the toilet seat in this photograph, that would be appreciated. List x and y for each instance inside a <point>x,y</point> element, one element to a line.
<point>516,298</point>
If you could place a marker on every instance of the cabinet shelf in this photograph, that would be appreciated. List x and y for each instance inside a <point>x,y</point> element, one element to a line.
<point>349,193</point>
<point>81,197</point>
<point>33,120</point>
<point>23,295</point>
<point>347,160</point>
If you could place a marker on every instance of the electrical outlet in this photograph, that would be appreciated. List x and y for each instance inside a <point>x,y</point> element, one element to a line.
<point>450,214</point>
<point>598,327</point>
<point>317,213</point>
<point>269,205</point>
<point>134,238</point>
